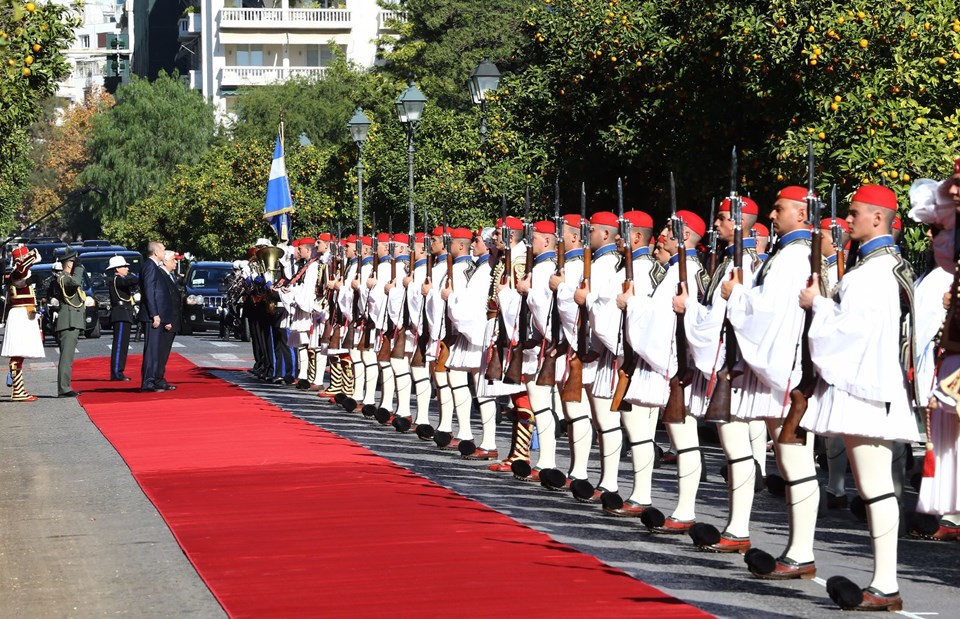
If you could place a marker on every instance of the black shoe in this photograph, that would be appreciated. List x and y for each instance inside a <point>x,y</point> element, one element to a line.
<point>303,384</point>
<point>274,380</point>
<point>289,380</point>
<point>120,378</point>
<point>69,394</point>
<point>165,386</point>
<point>150,389</point>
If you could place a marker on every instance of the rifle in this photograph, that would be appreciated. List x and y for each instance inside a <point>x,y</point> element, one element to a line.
<point>676,408</point>
<point>514,373</point>
<point>626,370</point>
<point>331,271</point>
<point>718,410</point>
<point>355,313</point>
<point>791,433</point>
<point>443,355</point>
<point>573,388</point>
<point>337,314</point>
<point>386,340</point>
<point>836,231</point>
<point>712,239</point>
<point>368,326</point>
<point>419,358</point>
<point>400,330</point>
<point>495,363</point>
<point>548,369</point>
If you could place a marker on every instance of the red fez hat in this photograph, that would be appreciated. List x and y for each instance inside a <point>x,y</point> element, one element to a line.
<point>401,238</point>
<point>897,224</point>
<point>352,239</point>
<point>639,219</point>
<point>462,233</point>
<point>956,166</point>
<point>20,252</point>
<point>876,195</point>
<point>325,237</point>
<point>793,192</point>
<point>383,237</point>
<point>826,223</point>
<point>419,237</point>
<point>513,223</point>
<point>307,240</point>
<point>749,206</point>
<point>572,220</point>
<point>761,229</point>
<point>693,221</point>
<point>438,231</point>
<point>604,218</point>
<point>544,226</point>
<point>252,252</point>
<point>366,240</point>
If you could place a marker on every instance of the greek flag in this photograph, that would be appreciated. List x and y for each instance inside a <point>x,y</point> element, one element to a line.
<point>278,205</point>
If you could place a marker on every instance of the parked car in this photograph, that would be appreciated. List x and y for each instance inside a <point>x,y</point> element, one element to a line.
<point>47,250</point>
<point>60,251</point>
<point>205,287</point>
<point>95,263</point>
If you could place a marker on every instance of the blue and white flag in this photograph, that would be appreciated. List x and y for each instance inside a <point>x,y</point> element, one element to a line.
<point>279,204</point>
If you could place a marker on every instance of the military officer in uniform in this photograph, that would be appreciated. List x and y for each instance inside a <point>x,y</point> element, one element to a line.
<point>122,315</point>
<point>69,292</point>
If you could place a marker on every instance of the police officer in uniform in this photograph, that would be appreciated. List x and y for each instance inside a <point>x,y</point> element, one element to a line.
<point>122,316</point>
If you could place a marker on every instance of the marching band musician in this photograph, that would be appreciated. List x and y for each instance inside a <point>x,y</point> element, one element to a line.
<point>23,337</point>
<point>298,295</point>
<point>856,342</point>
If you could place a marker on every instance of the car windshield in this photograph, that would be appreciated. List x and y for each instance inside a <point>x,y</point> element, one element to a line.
<point>208,277</point>
<point>96,267</point>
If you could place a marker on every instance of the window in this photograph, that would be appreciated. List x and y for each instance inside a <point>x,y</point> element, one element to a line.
<point>85,41</point>
<point>250,56</point>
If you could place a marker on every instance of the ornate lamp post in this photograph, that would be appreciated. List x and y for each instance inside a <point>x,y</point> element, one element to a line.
<point>359,126</point>
<point>482,79</point>
<point>409,106</point>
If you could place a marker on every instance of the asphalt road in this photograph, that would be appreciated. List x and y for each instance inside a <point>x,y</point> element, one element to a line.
<point>79,539</point>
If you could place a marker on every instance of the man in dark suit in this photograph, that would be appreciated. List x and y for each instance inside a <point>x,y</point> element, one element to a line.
<point>123,285</point>
<point>156,309</point>
<point>171,328</point>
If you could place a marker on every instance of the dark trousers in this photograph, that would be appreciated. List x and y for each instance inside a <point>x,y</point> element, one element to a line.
<point>284,360</point>
<point>151,355</point>
<point>118,354</point>
<point>166,344</point>
<point>67,339</point>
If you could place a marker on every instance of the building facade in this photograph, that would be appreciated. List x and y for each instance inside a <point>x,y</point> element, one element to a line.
<point>101,50</point>
<point>232,43</point>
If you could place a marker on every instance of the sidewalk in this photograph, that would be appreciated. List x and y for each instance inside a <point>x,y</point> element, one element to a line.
<point>77,536</point>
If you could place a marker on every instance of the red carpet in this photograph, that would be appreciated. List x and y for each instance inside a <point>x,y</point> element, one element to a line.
<point>284,519</point>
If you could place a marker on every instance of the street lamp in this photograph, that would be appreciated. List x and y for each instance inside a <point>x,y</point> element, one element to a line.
<point>409,106</point>
<point>359,126</point>
<point>484,78</point>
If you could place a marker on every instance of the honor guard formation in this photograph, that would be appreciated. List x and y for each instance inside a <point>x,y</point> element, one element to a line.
<point>601,327</point>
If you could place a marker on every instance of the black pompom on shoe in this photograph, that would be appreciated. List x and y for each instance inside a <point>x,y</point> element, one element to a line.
<point>520,469</point>
<point>704,534</point>
<point>652,518</point>
<point>425,431</point>
<point>442,439</point>
<point>368,410</point>
<point>923,525</point>
<point>382,415</point>
<point>349,404</point>
<point>581,489</point>
<point>339,398</point>
<point>467,447</point>
<point>844,592</point>
<point>553,479</point>
<point>611,501</point>
<point>759,562</point>
<point>402,424</point>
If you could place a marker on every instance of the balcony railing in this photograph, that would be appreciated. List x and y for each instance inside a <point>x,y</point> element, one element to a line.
<point>287,19</point>
<point>261,76</point>
<point>385,17</point>
<point>189,25</point>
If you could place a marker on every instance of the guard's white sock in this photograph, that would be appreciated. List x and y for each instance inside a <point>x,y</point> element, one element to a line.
<point>462,402</point>
<point>359,379</point>
<point>444,401</point>
<point>388,383</point>
<point>640,437</point>
<point>836,466</point>
<point>371,371</point>
<point>611,441</point>
<point>870,460</point>
<point>758,440</point>
<point>686,444</point>
<point>421,383</point>
<point>404,384</point>
<point>541,401</point>
<point>741,473</point>
<point>803,493</point>
<point>579,436</point>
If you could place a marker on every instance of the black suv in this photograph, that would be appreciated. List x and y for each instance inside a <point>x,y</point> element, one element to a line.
<point>41,277</point>
<point>205,287</point>
<point>95,263</point>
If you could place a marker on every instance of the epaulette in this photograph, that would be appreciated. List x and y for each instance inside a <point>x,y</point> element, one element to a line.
<point>904,276</point>
<point>657,272</point>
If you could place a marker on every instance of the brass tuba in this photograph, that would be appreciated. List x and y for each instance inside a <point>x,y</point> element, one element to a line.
<point>269,259</point>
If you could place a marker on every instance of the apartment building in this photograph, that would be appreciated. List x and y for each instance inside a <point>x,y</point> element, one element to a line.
<point>236,43</point>
<point>101,49</point>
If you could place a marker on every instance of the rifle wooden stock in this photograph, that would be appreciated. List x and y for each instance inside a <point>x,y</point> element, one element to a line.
<point>443,354</point>
<point>790,432</point>
<point>547,376</point>
<point>718,410</point>
<point>625,371</point>
<point>573,387</point>
<point>399,344</point>
<point>676,408</point>
<point>494,364</point>
<point>386,348</point>
<point>514,373</point>
<point>335,342</point>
